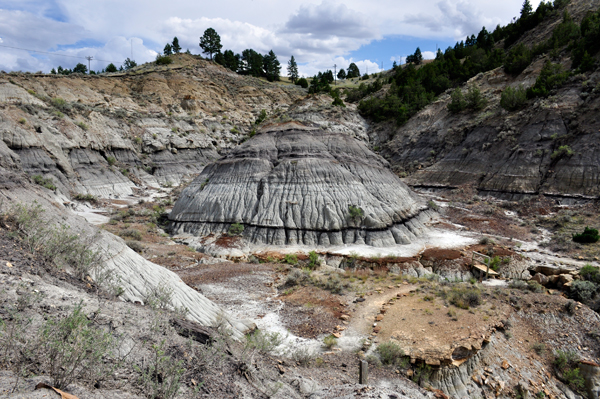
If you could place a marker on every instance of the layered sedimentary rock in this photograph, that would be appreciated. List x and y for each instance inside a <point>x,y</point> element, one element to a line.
<point>293,184</point>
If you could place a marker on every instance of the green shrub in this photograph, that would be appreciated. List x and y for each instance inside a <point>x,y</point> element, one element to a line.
<point>22,121</point>
<point>82,126</point>
<point>252,133</point>
<point>457,101</point>
<point>390,353</point>
<point>465,297</point>
<point>264,342</point>
<point>302,82</point>
<point>588,236</point>
<point>534,286</point>
<point>163,60</point>
<point>136,235</point>
<point>513,98</point>
<point>590,273</point>
<point>137,140</point>
<point>44,182</point>
<point>135,245</point>
<point>291,259</point>
<point>73,349</point>
<point>85,197</point>
<point>517,59</point>
<point>539,348</point>
<point>562,151</point>
<point>61,104</point>
<point>262,116</point>
<point>567,367</point>
<point>111,160</point>
<point>551,77</point>
<point>337,102</point>
<point>161,378</point>
<point>582,290</point>
<point>356,213</point>
<point>313,259</point>
<point>493,263</point>
<point>236,229</point>
<point>474,99</point>
<point>330,341</point>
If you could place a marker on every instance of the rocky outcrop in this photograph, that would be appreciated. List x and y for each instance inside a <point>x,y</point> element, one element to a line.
<point>293,184</point>
<point>105,135</point>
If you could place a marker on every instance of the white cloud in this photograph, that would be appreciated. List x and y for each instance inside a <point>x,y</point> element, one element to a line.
<point>330,19</point>
<point>315,33</point>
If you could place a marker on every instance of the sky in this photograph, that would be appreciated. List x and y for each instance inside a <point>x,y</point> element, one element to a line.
<point>319,34</point>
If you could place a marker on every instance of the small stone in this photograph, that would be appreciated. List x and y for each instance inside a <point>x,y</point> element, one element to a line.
<point>379,317</point>
<point>337,335</point>
<point>345,317</point>
<point>505,365</point>
<point>409,373</point>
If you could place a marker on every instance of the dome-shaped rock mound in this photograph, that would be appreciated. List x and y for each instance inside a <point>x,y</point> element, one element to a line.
<point>293,184</point>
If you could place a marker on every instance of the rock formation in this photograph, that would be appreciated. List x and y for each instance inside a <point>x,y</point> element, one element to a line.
<point>295,184</point>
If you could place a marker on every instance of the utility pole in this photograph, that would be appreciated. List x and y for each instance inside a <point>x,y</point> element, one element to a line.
<point>89,58</point>
<point>334,74</point>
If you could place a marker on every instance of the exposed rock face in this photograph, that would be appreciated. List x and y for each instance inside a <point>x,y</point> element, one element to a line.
<point>105,135</point>
<point>505,152</point>
<point>293,184</point>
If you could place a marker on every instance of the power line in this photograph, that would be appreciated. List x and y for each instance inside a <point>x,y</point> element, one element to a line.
<point>60,55</point>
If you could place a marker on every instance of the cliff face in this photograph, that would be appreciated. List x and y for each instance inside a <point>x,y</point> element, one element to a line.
<point>105,135</point>
<point>292,184</point>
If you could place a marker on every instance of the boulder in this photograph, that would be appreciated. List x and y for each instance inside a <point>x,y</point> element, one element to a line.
<point>540,278</point>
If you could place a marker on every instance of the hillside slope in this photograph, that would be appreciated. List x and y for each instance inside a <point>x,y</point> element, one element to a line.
<point>548,147</point>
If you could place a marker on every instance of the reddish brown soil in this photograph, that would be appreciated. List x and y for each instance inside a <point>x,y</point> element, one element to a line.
<point>311,311</point>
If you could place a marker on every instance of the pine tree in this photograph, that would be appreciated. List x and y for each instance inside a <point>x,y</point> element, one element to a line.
<point>353,71</point>
<point>111,68</point>
<point>292,70</point>
<point>526,9</point>
<point>129,64</point>
<point>271,66</point>
<point>175,46</point>
<point>168,50</point>
<point>210,42</point>
<point>80,68</point>
<point>53,71</point>
<point>341,74</point>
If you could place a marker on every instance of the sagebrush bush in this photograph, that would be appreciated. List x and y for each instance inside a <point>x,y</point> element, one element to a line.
<point>163,60</point>
<point>56,244</point>
<point>465,297</point>
<point>513,98</point>
<point>264,342</point>
<point>72,349</point>
<point>582,290</point>
<point>390,353</point>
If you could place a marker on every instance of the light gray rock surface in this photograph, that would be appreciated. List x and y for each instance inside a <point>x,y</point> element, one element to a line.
<point>293,184</point>
<point>134,274</point>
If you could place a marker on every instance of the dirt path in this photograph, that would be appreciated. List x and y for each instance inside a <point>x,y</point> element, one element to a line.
<point>364,316</point>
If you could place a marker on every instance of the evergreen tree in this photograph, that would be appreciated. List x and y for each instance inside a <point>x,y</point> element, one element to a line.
<point>526,9</point>
<point>210,42</point>
<point>53,71</point>
<point>416,58</point>
<point>80,68</point>
<point>168,50</point>
<point>111,68</point>
<point>129,64</point>
<point>394,65</point>
<point>60,70</point>
<point>252,63</point>
<point>341,74</point>
<point>231,61</point>
<point>292,70</point>
<point>271,66</point>
<point>353,71</point>
<point>175,45</point>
